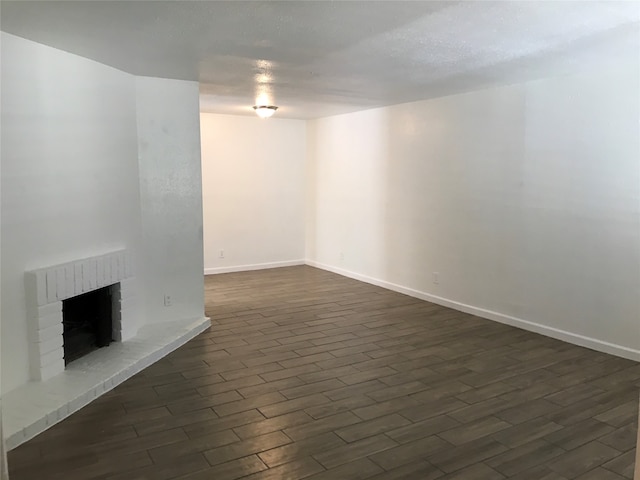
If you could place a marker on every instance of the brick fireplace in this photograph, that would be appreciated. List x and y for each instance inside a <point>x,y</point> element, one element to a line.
<point>60,390</point>
<point>47,289</point>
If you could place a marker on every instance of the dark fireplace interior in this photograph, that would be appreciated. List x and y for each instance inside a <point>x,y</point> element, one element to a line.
<point>87,322</point>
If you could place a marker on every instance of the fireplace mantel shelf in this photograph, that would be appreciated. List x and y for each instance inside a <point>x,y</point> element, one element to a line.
<point>36,406</point>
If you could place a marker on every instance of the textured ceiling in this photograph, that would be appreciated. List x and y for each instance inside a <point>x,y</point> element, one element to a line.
<point>321,58</point>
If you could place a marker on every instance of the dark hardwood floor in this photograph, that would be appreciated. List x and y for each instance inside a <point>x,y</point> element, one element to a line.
<point>306,374</point>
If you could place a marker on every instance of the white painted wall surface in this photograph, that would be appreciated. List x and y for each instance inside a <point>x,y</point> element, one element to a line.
<point>4,470</point>
<point>524,199</point>
<point>171,198</point>
<point>253,174</point>
<point>69,177</point>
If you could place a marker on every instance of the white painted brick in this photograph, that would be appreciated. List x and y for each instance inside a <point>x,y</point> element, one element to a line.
<point>63,411</point>
<point>128,265</point>
<point>52,370</point>
<point>86,281</point>
<point>116,292</point>
<point>108,384</point>
<point>61,284</point>
<point>115,276</point>
<point>107,271</point>
<point>69,273</point>
<point>32,323</point>
<point>89,275</point>
<point>128,306</point>
<point>34,361</point>
<point>128,287</point>
<point>54,308</point>
<point>77,403</point>
<point>119,378</point>
<point>114,269</point>
<point>35,428</point>
<point>51,357</point>
<point>50,345</point>
<point>52,294</point>
<point>121,266</point>
<point>128,328</point>
<point>116,331</point>
<point>49,333</point>
<point>100,272</point>
<point>77,271</point>
<point>52,419</point>
<point>41,287</point>
<point>92,394</point>
<point>16,439</point>
<point>93,273</point>
<point>100,389</point>
<point>47,321</point>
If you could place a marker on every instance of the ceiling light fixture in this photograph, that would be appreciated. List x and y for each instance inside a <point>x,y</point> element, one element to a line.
<point>265,111</point>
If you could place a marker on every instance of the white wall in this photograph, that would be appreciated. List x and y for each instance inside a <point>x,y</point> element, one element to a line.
<point>524,199</point>
<point>253,188</point>
<point>69,173</point>
<point>95,159</point>
<point>4,472</point>
<point>171,198</point>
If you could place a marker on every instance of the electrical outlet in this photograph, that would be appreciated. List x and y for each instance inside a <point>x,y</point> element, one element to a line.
<point>221,253</point>
<point>436,278</point>
<point>168,301</point>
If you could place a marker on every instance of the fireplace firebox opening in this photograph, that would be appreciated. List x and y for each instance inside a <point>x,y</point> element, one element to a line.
<point>87,321</point>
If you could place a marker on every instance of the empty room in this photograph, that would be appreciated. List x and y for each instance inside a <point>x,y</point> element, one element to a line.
<point>285,240</point>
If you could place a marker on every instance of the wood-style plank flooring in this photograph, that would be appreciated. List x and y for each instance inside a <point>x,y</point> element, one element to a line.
<point>306,374</point>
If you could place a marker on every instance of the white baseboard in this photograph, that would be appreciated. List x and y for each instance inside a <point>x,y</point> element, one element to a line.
<point>574,338</point>
<point>255,266</point>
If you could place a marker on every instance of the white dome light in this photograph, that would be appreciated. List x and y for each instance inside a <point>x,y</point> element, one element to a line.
<point>265,111</point>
